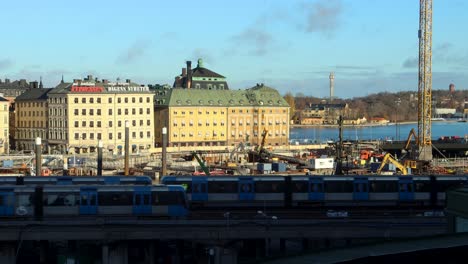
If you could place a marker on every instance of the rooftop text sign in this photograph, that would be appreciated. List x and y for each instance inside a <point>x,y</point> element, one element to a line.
<point>87,89</point>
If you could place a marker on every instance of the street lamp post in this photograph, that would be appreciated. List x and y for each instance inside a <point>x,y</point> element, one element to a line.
<point>397,136</point>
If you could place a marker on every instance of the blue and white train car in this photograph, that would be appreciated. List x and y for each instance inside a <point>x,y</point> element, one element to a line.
<point>68,180</point>
<point>92,200</point>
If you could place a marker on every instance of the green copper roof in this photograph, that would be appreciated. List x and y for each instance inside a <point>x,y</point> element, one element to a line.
<point>257,96</point>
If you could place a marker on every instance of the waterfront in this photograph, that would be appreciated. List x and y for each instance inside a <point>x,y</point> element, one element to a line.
<point>386,132</point>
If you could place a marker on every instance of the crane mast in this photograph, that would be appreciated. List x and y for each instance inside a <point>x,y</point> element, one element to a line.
<point>425,80</point>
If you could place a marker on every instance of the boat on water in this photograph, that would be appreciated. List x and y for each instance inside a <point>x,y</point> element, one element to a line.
<point>437,119</point>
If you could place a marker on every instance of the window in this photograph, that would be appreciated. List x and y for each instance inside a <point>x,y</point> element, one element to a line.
<point>76,112</point>
<point>133,134</point>
<point>83,124</point>
<point>141,122</point>
<point>98,100</point>
<point>141,111</point>
<point>76,100</point>
<point>148,134</point>
<point>76,123</point>
<point>110,136</point>
<point>119,111</point>
<point>83,111</point>
<point>141,134</point>
<point>126,110</point>
<point>83,100</point>
<point>110,100</point>
<point>119,135</point>
<point>126,99</point>
<point>141,99</point>
<point>77,136</point>
<point>148,111</point>
<point>98,112</point>
<point>119,100</point>
<point>148,99</point>
<point>91,135</point>
<point>119,123</point>
<point>110,123</point>
<point>83,135</point>
<point>99,136</point>
<point>133,110</point>
<point>91,111</point>
<point>133,122</point>
<point>133,100</point>
<point>98,124</point>
<point>91,100</point>
<point>110,111</point>
<point>148,122</point>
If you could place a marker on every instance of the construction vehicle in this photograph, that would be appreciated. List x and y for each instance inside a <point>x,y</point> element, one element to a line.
<point>202,163</point>
<point>388,158</point>
<point>260,153</point>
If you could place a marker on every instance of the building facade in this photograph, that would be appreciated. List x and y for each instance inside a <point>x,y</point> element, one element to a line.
<point>197,117</point>
<point>4,125</point>
<point>86,111</point>
<point>31,119</point>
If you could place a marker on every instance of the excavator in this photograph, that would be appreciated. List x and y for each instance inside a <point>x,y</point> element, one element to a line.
<point>260,153</point>
<point>202,164</point>
<point>388,158</point>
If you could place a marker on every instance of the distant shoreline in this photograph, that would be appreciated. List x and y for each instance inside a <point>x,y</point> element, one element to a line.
<point>367,125</point>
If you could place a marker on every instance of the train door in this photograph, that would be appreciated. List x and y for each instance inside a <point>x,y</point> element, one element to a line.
<point>246,189</point>
<point>7,202</point>
<point>142,200</point>
<point>315,189</point>
<point>405,189</point>
<point>361,189</point>
<point>199,188</point>
<point>88,200</point>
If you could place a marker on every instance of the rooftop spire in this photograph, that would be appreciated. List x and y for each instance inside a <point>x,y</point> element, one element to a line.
<point>200,63</point>
<point>40,83</point>
<point>62,79</point>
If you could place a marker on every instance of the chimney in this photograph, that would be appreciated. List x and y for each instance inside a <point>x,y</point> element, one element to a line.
<point>90,78</point>
<point>127,80</point>
<point>184,72</point>
<point>189,74</point>
<point>7,81</point>
<point>332,85</point>
<point>33,85</point>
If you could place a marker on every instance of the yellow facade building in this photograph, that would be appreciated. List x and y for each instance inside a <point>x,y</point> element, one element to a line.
<point>4,125</point>
<point>86,111</point>
<point>31,117</point>
<point>202,117</point>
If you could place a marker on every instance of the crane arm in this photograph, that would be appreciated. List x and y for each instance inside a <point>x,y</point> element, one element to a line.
<point>389,159</point>
<point>411,134</point>
<point>202,164</point>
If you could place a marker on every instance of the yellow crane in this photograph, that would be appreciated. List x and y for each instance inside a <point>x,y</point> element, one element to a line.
<point>425,80</point>
<point>388,158</point>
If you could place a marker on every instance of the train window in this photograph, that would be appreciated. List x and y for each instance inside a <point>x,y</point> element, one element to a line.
<point>199,188</point>
<point>223,187</point>
<point>114,198</point>
<point>422,186</point>
<point>339,186</point>
<point>24,200</point>
<point>60,199</point>
<point>168,198</point>
<point>443,186</point>
<point>383,186</point>
<point>299,186</point>
<point>269,187</point>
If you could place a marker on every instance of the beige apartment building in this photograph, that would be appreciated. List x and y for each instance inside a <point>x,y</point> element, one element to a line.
<point>31,117</point>
<point>202,117</point>
<point>4,125</point>
<point>86,111</point>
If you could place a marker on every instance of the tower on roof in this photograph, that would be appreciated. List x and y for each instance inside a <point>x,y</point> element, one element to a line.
<point>200,78</point>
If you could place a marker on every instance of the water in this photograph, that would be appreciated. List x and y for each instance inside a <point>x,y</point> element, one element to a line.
<point>317,134</point>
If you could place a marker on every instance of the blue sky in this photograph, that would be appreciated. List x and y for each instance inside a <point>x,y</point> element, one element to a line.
<point>371,45</point>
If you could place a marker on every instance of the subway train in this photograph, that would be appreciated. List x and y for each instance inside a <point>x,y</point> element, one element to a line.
<point>67,180</point>
<point>43,201</point>
<point>315,191</point>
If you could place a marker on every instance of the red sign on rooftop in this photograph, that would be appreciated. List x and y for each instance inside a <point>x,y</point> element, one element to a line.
<point>87,89</point>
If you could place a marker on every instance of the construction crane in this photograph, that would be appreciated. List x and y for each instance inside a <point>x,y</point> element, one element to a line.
<point>202,164</point>
<point>425,80</point>
<point>388,158</point>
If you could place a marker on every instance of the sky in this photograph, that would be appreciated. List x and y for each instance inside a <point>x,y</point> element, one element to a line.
<point>292,46</point>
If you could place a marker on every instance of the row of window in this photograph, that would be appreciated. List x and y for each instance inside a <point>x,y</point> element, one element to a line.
<point>109,100</point>
<point>111,123</point>
<point>28,134</point>
<point>30,104</point>
<point>84,136</point>
<point>31,123</point>
<point>31,113</point>
<point>215,134</point>
<point>110,111</point>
